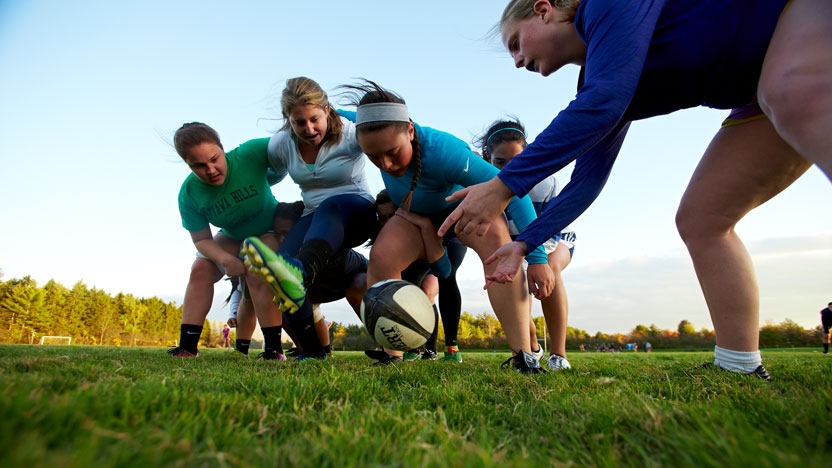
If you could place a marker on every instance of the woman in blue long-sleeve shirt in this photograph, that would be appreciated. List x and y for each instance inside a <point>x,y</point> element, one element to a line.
<point>768,60</point>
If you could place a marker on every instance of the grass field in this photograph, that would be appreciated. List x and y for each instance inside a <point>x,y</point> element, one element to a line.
<point>121,407</point>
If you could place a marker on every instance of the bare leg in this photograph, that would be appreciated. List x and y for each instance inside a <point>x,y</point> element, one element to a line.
<point>532,329</point>
<point>261,296</point>
<point>398,245</point>
<point>199,293</point>
<point>556,305</point>
<point>743,167</point>
<point>509,300</point>
<point>355,292</point>
<point>246,320</point>
<point>321,328</point>
<point>795,88</point>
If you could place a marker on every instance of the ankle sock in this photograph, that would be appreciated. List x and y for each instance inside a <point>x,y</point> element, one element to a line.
<point>242,346</point>
<point>737,361</point>
<point>272,337</point>
<point>189,337</point>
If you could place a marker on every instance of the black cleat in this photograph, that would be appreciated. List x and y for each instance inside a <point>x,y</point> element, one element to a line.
<point>181,352</point>
<point>760,371</point>
<point>382,358</point>
<point>524,363</point>
<point>270,354</point>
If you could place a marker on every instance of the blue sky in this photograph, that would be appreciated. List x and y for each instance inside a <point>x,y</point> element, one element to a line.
<point>92,91</point>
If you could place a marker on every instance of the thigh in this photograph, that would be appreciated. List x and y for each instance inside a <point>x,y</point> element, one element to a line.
<point>397,246</point>
<point>485,245</point>
<point>743,167</point>
<point>800,48</point>
<point>795,88</point>
<point>294,238</point>
<point>228,244</point>
<point>560,258</point>
<point>354,215</point>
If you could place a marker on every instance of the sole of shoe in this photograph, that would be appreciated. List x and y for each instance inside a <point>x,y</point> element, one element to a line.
<point>257,259</point>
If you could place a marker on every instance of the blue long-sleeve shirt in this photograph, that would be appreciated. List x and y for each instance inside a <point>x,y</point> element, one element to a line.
<point>644,58</point>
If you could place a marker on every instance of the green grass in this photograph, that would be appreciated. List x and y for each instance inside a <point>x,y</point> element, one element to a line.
<point>121,407</point>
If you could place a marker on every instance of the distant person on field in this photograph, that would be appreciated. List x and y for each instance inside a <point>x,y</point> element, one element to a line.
<point>826,322</point>
<point>648,347</point>
<point>226,336</point>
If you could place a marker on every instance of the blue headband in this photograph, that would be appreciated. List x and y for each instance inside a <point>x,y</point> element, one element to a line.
<point>500,130</point>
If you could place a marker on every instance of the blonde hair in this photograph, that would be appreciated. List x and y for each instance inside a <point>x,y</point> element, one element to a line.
<point>302,91</point>
<point>517,10</point>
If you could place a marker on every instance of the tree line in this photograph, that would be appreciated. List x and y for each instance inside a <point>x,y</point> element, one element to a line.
<point>89,316</point>
<point>484,331</point>
<point>94,317</point>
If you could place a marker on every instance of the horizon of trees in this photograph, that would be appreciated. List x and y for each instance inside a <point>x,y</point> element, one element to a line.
<point>94,317</point>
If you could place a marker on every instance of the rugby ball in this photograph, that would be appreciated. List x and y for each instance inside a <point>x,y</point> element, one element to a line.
<point>397,314</point>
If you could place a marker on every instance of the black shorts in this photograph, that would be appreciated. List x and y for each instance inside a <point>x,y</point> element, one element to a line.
<point>331,284</point>
<point>826,320</point>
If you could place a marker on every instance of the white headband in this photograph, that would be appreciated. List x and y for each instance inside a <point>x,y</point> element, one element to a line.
<point>381,112</point>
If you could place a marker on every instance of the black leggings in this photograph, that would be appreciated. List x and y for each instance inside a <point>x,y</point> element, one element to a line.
<point>450,299</point>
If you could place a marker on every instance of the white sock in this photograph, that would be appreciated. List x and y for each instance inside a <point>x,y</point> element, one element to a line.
<point>737,361</point>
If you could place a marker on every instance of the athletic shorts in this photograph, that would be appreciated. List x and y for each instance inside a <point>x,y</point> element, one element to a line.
<point>331,284</point>
<point>826,321</point>
<point>567,238</point>
<point>416,272</point>
<point>746,113</point>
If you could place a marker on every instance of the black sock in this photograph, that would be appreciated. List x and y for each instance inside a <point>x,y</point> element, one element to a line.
<point>242,346</point>
<point>328,349</point>
<point>272,337</point>
<point>189,337</point>
<point>825,348</point>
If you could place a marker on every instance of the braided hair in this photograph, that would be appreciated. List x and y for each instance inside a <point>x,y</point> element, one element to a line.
<point>369,92</point>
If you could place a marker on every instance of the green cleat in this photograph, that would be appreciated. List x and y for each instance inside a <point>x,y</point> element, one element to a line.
<point>452,355</point>
<point>283,275</point>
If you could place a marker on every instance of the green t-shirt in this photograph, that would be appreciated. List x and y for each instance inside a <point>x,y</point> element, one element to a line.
<point>243,205</point>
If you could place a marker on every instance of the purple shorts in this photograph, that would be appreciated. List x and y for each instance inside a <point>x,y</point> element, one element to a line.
<point>746,113</point>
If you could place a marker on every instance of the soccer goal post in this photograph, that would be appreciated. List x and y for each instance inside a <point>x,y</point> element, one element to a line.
<point>56,340</point>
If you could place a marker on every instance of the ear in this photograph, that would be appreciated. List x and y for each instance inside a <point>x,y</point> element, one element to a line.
<point>411,131</point>
<point>543,8</point>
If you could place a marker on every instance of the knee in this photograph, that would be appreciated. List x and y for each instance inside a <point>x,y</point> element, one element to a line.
<point>204,272</point>
<point>692,225</point>
<point>792,97</point>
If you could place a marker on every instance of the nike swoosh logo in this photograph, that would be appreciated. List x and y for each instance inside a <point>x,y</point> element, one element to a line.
<point>191,333</point>
<point>467,161</point>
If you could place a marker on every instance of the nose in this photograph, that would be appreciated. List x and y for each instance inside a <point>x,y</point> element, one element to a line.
<point>310,129</point>
<point>518,60</point>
